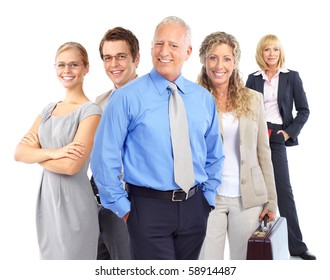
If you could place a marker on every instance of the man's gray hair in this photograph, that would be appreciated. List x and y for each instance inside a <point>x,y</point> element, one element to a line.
<point>179,21</point>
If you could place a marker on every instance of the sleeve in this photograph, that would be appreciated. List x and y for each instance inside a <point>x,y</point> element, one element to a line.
<point>46,111</point>
<point>248,83</point>
<point>301,106</point>
<point>264,155</point>
<point>215,157</point>
<point>89,110</point>
<point>106,163</point>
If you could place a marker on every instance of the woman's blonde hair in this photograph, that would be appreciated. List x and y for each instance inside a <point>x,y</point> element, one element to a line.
<point>239,97</point>
<point>77,46</point>
<point>269,40</point>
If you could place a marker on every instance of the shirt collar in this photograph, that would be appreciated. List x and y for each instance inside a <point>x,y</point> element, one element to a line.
<point>161,83</point>
<point>262,72</point>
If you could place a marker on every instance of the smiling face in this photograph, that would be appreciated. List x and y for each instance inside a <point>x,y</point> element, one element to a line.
<point>119,64</point>
<point>220,64</point>
<point>271,55</point>
<point>70,69</point>
<point>170,50</point>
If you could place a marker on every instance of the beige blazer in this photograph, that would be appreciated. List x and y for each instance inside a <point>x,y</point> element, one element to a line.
<point>257,183</point>
<point>103,99</point>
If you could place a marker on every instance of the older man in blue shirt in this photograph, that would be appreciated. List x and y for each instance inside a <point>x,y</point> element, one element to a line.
<point>134,132</point>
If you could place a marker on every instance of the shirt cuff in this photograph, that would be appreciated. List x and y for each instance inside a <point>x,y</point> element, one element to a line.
<point>120,207</point>
<point>210,197</point>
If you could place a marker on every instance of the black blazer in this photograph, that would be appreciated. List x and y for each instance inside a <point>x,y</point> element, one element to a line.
<point>290,91</point>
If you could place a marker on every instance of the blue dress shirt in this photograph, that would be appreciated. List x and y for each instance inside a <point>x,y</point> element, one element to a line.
<point>134,132</point>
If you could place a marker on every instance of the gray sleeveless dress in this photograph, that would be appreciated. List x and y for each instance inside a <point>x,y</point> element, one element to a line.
<point>67,214</point>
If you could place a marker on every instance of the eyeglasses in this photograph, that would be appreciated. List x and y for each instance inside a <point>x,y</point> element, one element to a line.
<point>120,56</point>
<point>72,65</point>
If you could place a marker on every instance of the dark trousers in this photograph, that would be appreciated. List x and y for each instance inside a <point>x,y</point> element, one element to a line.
<point>113,240</point>
<point>285,198</point>
<point>161,229</point>
<point>113,243</point>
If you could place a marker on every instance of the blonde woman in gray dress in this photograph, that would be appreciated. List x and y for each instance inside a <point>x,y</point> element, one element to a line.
<point>60,140</point>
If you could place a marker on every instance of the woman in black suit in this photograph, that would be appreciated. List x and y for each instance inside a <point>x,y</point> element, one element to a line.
<point>282,88</point>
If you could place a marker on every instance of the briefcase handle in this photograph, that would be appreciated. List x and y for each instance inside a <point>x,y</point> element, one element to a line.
<point>264,225</point>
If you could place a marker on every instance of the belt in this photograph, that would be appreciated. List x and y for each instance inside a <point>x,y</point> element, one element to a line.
<point>274,126</point>
<point>95,190</point>
<point>175,195</point>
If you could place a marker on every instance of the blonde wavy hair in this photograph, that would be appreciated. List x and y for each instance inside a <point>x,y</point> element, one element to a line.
<point>239,97</point>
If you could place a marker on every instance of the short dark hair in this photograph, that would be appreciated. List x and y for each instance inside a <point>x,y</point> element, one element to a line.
<point>121,34</point>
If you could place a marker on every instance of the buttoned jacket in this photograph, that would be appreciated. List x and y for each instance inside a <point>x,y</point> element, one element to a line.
<point>290,92</point>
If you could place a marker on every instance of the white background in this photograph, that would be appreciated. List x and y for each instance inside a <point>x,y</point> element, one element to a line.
<point>31,32</point>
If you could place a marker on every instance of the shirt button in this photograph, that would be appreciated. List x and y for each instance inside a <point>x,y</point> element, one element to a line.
<point>243,181</point>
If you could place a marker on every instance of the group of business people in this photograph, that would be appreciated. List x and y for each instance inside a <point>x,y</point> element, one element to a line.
<point>235,169</point>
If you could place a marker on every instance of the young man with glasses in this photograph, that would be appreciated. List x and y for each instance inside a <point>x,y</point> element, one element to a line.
<point>119,50</point>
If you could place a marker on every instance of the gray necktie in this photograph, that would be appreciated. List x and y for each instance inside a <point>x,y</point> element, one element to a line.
<point>183,164</point>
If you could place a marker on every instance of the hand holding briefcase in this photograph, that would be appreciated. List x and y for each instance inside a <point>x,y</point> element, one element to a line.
<point>269,241</point>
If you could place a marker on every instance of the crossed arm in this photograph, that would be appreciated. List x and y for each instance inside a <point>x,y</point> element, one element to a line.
<point>66,160</point>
